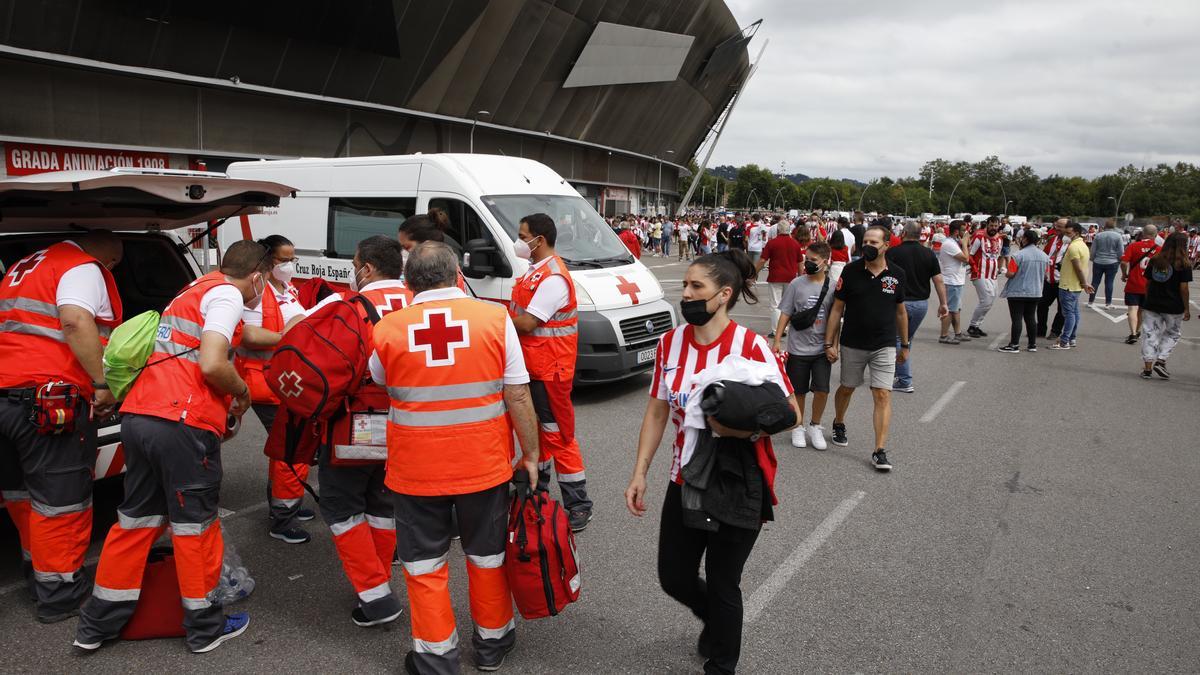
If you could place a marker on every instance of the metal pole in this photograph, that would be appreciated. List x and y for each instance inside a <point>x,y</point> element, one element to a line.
<point>951,200</point>
<point>658,199</point>
<point>1003,194</point>
<point>474,120</point>
<point>752,191</point>
<point>732,104</point>
<point>864,194</point>
<point>931,183</point>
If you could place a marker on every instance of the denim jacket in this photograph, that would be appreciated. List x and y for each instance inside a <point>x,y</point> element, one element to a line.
<point>1031,264</point>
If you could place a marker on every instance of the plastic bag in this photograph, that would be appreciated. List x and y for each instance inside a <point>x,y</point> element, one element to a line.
<point>129,348</point>
<point>236,582</point>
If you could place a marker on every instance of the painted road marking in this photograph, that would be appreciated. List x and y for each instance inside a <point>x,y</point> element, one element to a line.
<point>942,402</point>
<point>1115,319</point>
<point>996,343</point>
<point>764,594</point>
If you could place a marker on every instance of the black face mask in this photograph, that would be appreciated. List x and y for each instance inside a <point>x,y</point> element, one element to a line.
<point>696,312</point>
<point>810,267</point>
<point>870,252</point>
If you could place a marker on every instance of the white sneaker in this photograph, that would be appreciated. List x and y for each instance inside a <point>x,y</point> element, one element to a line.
<point>798,438</point>
<point>816,434</point>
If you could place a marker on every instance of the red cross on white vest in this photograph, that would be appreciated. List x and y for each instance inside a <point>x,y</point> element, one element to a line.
<point>629,288</point>
<point>438,337</point>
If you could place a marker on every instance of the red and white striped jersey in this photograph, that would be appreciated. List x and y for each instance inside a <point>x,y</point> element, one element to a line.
<point>680,358</point>
<point>985,256</point>
<point>1055,248</point>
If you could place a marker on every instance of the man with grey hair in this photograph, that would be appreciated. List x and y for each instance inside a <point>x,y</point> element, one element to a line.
<point>458,386</point>
<point>920,267</point>
<point>785,255</point>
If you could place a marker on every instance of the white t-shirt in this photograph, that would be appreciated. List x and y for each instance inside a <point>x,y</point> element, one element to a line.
<point>83,287</point>
<point>954,271</point>
<point>514,359</point>
<point>756,238</point>
<point>848,237</point>
<point>222,309</point>
<point>550,296</point>
<point>289,307</point>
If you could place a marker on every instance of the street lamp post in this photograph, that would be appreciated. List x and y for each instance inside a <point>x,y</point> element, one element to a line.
<point>752,194</point>
<point>951,200</point>
<point>1006,203</point>
<point>864,194</point>
<point>771,205</point>
<point>1004,195</point>
<point>931,183</point>
<point>1117,209</point>
<point>716,194</point>
<point>813,197</point>
<point>473,121</point>
<point>658,202</point>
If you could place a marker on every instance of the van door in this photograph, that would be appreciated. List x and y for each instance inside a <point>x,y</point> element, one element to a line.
<point>466,224</point>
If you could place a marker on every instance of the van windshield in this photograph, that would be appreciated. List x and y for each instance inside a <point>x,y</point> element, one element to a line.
<point>584,238</point>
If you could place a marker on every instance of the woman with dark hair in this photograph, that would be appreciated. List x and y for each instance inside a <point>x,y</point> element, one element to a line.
<point>1025,273</point>
<point>1166,306</point>
<point>278,311</point>
<point>712,287</point>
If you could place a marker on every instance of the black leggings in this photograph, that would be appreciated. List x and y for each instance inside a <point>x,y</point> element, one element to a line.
<point>1023,309</point>
<point>717,599</point>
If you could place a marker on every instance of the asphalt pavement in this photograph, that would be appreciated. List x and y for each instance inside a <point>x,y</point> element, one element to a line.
<point>1042,516</point>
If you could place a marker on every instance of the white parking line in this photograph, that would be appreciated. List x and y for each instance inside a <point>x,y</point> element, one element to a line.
<point>1115,319</point>
<point>779,578</point>
<point>942,402</point>
<point>996,343</point>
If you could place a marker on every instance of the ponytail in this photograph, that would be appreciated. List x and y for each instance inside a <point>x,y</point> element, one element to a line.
<point>731,268</point>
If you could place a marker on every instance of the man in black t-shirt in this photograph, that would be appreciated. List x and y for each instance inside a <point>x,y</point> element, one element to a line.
<point>723,236</point>
<point>737,236</point>
<point>920,266</point>
<point>870,299</point>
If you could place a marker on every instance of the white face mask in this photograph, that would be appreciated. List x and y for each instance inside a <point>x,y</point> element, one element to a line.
<point>285,271</point>
<point>255,302</point>
<point>521,249</point>
<point>354,283</point>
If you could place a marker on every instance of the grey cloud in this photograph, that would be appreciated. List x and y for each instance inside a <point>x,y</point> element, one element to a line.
<point>864,88</point>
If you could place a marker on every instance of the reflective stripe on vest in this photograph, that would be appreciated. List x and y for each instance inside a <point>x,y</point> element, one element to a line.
<point>551,347</point>
<point>446,418</point>
<point>449,392</point>
<point>33,346</point>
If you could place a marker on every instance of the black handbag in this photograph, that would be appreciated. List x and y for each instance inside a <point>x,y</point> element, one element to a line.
<point>805,319</point>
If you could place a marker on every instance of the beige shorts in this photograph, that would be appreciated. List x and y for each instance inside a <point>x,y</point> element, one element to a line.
<point>881,362</point>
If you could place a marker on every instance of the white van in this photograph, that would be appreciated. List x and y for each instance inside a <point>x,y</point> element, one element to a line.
<point>149,210</point>
<point>340,201</point>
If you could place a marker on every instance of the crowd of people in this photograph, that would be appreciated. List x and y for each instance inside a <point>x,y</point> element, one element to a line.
<point>848,291</point>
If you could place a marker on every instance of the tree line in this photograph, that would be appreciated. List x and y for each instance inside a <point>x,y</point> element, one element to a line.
<point>988,186</point>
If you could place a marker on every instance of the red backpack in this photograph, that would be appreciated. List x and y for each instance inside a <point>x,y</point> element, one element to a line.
<point>540,559</point>
<point>323,359</point>
<point>315,368</point>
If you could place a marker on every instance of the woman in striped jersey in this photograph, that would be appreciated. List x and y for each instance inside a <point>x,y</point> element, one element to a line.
<point>712,286</point>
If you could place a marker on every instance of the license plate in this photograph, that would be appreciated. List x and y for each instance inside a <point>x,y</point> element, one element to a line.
<point>646,355</point>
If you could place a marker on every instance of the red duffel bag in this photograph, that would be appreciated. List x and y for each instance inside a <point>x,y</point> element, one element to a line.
<point>540,559</point>
<point>159,612</point>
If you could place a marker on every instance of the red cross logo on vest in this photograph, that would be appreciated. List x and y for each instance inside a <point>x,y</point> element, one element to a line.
<point>628,288</point>
<point>289,384</point>
<point>392,302</point>
<point>18,272</point>
<point>438,337</point>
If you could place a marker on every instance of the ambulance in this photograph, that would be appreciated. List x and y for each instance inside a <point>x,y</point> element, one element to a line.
<point>340,201</point>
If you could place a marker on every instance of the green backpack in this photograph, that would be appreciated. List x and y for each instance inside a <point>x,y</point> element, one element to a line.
<point>129,348</point>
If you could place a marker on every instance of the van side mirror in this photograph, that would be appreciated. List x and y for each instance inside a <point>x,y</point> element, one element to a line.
<point>481,259</point>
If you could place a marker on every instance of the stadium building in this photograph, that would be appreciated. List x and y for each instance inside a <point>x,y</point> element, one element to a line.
<point>615,95</point>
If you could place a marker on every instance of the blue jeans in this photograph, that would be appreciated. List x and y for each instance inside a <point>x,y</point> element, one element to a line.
<point>916,314</point>
<point>1068,302</point>
<point>1109,274</point>
<point>721,248</point>
<point>666,244</point>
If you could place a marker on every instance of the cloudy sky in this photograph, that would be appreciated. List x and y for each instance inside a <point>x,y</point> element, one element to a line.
<point>864,88</point>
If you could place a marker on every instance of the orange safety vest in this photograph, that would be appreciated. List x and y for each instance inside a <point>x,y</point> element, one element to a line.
<point>172,386</point>
<point>448,429</point>
<point>33,350</point>
<point>551,349</point>
<point>250,362</point>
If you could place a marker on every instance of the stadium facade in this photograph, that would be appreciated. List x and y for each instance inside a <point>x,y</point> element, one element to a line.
<point>615,95</point>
